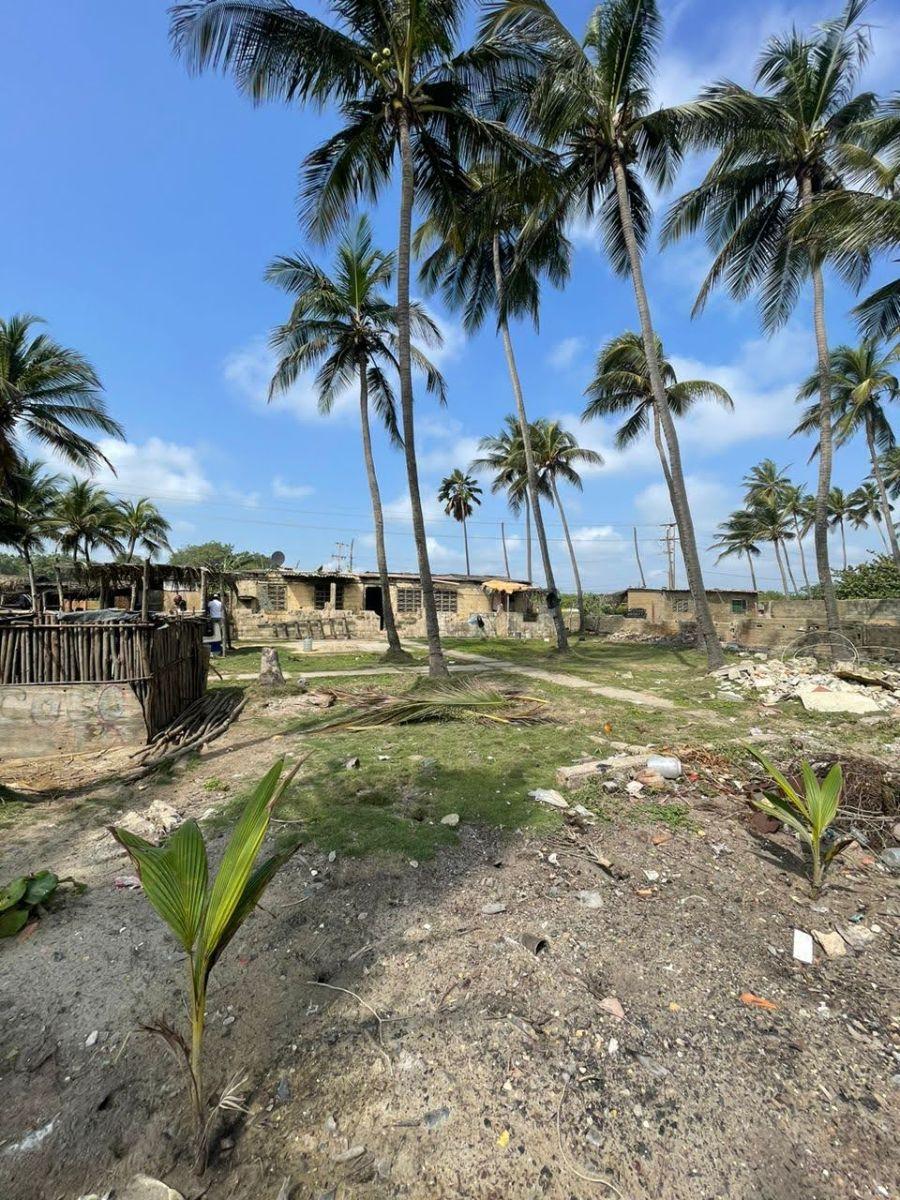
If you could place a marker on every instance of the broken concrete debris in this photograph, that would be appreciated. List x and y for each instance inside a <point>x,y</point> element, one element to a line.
<point>548,796</point>
<point>855,690</point>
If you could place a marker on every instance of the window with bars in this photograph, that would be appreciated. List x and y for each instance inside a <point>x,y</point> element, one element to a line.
<point>322,595</point>
<point>272,596</point>
<point>446,601</point>
<point>681,604</point>
<point>409,600</point>
<point>739,606</point>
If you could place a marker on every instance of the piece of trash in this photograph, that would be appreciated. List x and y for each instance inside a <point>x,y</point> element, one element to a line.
<point>548,796</point>
<point>609,1004</point>
<point>491,910</point>
<point>91,1039</point>
<point>127,881</point>
<point>832,943</point>
<point>660,839</point>
<point>590,899</point>
<point>890,857</point>
<point>674,1006</point>
<point>346,1156</point>
<point>451,819</point>
<point>666,765</point>
<point>352,764</point>
<point>332,855</point>
<point>651,876</point>
<point>503,1139</point>
<point>634,787</point>
<point>612,1046</point>
<point>413,862</point>
<point>534,943</point>
<point>803,946</point>
<point>752,1001</point>
<point>651,779</point>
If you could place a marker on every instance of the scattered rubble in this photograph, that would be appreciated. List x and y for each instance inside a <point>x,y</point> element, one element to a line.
<point>854,689</point>
<point>548,796</point>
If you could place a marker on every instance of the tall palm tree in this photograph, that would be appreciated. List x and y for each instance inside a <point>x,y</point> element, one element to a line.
<point>345,325</point>
<point>84,520</point>
<point>142,524</point>
<point>49,393</point>
<point>768,485</point>
<point>796,503</point>
<point>591,102</point>
<point>404,95</point>
<point>26,514</point>
<point>557,456</point>
<point>889,464</point>
<point>839,510</point>
<point>480,259</point>
<point>864,506</point>
<point>778,149</point>
<point>503,456</point>
<point>621,384</point>
<point>861,382</point>
<point>770,523</point>
<point>460,495</point>
<point>738,536</point>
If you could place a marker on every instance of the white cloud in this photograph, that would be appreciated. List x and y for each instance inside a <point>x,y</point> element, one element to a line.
<point>565,352</point>
<point>603,539</point>
<point>290,491</point>
<point>707,496</point>
<point>164,471</point>
<point>400,509</point>
<point>439,553</point>
<point>248,372</point>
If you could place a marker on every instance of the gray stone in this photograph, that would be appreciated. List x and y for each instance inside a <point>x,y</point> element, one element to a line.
<point>451,819</point>
<point>816,698</point>
<point>491,910</point>
<point>590,899</point>
<point>437,1117</point>
<point>282,1092</point>
<point>856,936</point>
<point>143,1187</point>
<point>891,857</point>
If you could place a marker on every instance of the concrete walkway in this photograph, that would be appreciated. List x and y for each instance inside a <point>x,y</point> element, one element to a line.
<point>467,662</point>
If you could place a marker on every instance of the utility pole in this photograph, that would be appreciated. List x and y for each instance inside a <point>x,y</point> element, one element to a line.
<point>669,544</point>
<point>505,555</point>
<point>637,555</point>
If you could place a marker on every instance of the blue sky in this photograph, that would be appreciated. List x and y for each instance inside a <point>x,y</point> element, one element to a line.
<point>142,206</point>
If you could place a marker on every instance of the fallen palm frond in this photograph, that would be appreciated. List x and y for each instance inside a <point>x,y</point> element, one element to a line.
<point>457,699</point>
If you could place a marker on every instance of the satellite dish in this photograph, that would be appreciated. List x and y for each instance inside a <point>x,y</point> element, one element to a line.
<point>277,559</point>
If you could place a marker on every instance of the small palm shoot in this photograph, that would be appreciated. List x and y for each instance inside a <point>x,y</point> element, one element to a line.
<point>809,812</point>
<point>204,916</point>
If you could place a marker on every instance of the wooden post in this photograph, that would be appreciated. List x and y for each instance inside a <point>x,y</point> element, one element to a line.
<point>203,587</point>
<point>145,591</point>
<point>637,555</point>
<point>59,586</point>
<point>505,555</point>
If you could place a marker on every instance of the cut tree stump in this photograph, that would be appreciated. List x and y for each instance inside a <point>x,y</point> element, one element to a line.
<point>270,673</point>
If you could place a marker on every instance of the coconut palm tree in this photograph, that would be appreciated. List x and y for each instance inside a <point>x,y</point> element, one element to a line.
<point>26,514</point>
<point>800,507</point>
<point>482,263</point>
<point>738,536</point>
<point>142,524</point>
<point>864,506</point>
<point>768,485</point>
<point>621,384</point>
<point>345,325</point>
<point>889,463</point>
<point>503,456</point>
<point>557,456</point>
<point>770,523</point>
<point>839,510</point>
<point>590,101</point>
<point>405,96</point>
<point>460,495</point>
<point>778,149</point>
<point>48,393</point>
<point>84,520</point>
<point>861,382</point>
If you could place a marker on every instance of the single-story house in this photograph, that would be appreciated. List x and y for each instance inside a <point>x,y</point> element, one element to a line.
<point>665,604</point>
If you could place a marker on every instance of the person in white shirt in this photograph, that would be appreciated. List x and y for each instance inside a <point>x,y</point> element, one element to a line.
<point>216,613</point>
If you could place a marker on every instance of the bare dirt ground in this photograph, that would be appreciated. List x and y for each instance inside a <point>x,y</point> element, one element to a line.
<point>444,1058</point>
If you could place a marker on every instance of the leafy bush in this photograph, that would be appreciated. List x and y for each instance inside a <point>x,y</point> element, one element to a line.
<point>25,896</point>
<point>809,813</point>
<point>878,579</point>
<point>205,917</point>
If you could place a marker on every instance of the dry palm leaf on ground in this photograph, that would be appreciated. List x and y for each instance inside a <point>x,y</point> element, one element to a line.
<point>455,699</point>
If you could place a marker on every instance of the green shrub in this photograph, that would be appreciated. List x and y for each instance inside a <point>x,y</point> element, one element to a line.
<point>25,896</point>
<point>878,579</point>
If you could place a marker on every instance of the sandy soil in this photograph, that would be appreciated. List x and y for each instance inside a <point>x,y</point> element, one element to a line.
<point>489,1072</point>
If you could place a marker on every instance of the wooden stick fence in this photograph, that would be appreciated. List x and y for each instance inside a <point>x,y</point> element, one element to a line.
<point>165,663</point>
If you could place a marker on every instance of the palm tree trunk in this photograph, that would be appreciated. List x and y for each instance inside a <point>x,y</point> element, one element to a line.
<point>752,572</point>
<point>787,561</point>
<point>826,448</point>
<point>882,490</point>
<point>678,493</point>
<point>466,544</point>
<point>800,548</point>
<point>394,650</point>
<point>528,570</point>
<point>579,594</point>
<point>784,582</point>
<point>505,555</point>
<point>843,542</point>
<point>32,582</point>
<point>661,450</point>
<point>436,663</point>
<point>562,641</point>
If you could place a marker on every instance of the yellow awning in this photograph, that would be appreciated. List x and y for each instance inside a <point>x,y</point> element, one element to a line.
<point>505,585</point>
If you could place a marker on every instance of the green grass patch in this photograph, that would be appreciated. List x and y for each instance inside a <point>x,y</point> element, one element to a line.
<point>245,660</point>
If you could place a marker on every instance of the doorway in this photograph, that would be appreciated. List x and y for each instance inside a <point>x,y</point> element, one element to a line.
<point>373,602</point>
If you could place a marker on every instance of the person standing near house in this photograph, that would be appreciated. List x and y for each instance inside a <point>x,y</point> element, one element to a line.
<point>216,612</point>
